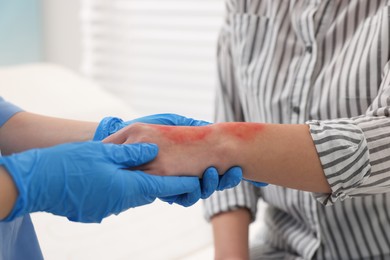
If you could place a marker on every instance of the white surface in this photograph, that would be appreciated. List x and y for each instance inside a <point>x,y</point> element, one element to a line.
<point>53,90</point>
<point>157,231</point>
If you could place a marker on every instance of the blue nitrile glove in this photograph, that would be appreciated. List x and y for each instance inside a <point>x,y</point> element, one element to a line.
<point>87,182</point>
<point>111,125</point>
<point>256,183</point>
<point>210,182</point>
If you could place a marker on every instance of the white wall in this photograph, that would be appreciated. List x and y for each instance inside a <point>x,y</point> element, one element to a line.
<point>20,32</point>
<point>172,40</point>
<point>61,29</point>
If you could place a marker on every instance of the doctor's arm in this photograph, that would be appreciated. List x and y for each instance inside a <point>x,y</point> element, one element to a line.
<point>23,131</point>
<point>83,181</point>
<point>26,130</point>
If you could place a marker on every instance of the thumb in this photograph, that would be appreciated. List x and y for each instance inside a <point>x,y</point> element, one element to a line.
<point>131,155</point>
<point>189,199</point>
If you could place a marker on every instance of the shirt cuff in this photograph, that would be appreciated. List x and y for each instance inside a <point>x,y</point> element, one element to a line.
<point>243,195</point>
<point>7,110</point>
<point>344,155</point>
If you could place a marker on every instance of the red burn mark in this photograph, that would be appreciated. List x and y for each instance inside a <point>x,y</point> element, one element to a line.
<point>184,134</point>
<point>243,131</point>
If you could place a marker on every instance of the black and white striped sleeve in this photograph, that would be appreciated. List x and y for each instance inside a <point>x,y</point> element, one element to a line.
<point>355,152</point>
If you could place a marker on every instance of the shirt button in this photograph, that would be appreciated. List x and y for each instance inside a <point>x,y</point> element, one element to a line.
<point>295,109</point>
<point>309,49</point>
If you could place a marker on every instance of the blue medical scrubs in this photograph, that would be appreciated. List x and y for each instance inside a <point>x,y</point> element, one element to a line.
<point>18,240</point>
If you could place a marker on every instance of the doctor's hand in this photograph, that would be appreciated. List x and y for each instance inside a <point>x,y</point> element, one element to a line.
<point>210,181</point>
<point>87,182</point>
<point>111,125</point>
<point>208,184</point>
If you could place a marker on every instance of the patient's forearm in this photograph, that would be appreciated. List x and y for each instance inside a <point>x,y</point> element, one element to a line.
<point>284,155</point>
<point>279,154</point>
<point>26,130</point>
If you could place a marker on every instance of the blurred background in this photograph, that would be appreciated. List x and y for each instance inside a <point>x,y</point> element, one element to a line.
<point>157,55</point>
<point>86,59</point>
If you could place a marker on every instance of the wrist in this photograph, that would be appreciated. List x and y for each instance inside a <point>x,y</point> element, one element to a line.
<point>217,148</point>
<point>230,145</point>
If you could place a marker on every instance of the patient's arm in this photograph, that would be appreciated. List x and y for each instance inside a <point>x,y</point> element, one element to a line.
<point>231,233</point>
<point>284,155</point>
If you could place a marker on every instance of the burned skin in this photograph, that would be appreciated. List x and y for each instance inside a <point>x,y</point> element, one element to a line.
<point>223,140</point>
<point>187,134</point>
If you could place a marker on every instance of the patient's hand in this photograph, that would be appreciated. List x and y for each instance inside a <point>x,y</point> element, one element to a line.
<point>183,150</point>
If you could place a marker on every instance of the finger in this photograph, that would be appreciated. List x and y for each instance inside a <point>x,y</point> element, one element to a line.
<point>169,199</point>
<point>164,186</point>
<point>209,182</point>
<point>230,179</point>
<point>157,119</point>
<point>170,119</point>
<point>190,198</point>
<point>193,122</point>
<point>106,127</point>
<point>131,155</point>
<point>184,200</point>
<point>117,138</point>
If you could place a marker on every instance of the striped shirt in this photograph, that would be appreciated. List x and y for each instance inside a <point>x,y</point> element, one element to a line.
<point>324,63</point>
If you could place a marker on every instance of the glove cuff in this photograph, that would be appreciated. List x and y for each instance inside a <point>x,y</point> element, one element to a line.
<point>106,127</point>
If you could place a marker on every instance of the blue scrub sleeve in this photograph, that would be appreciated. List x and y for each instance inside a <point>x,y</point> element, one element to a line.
<point>7,110</point>
<point>18,240</point>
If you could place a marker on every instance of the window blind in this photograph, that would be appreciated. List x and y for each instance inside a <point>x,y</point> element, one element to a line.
<point>158,55</point>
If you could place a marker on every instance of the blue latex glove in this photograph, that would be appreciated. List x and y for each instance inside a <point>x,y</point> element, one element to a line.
<point>111,125</point>
<point>257,184</point>
<point>86,182</point>
<point>210,181</point>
